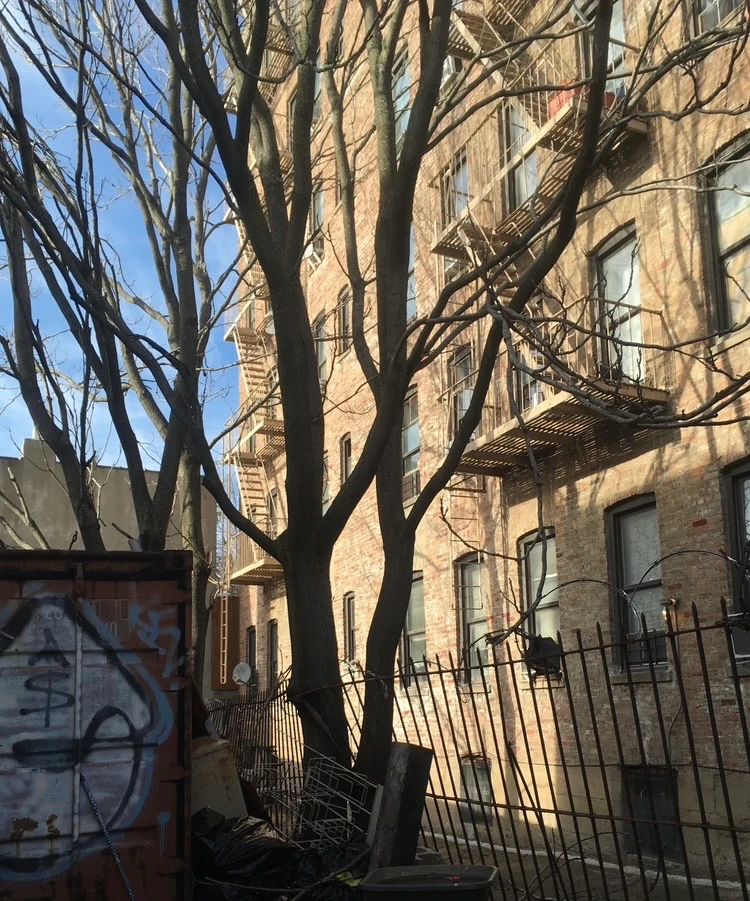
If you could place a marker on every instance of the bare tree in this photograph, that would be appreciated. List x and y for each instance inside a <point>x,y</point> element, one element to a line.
<point>224,67</point>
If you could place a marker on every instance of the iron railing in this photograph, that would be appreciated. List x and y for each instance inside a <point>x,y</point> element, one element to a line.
<point>604,779</point>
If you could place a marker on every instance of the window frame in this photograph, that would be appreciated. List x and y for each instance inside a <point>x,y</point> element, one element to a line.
<point>251,657</point>
<point>410,478</point>
<point>320,340</point>
<point>458,393</point>
<point>739,526</point>
<point>272,653</point>
<point>612,364</point>
<point>737,151</point>
<point>473,805</point>
<point>345,457</point>
<point>450,208</point>
<point>317,221</point>
<point>326,488</point>
<point>633,832</point>
<point>526,544</point>
<point>412,669</point>
<point>472,656</point>
<point>513,153</point>
<point>627,643</point>
<point>350,627</point>
<point>696,16</point>
<point>344,320</point>
<point>411,278</point>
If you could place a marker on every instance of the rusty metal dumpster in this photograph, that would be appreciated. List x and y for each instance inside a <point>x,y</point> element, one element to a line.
<point>94,725</point>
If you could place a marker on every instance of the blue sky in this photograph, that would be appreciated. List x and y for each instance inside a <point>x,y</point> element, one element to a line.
<point>121,223</point>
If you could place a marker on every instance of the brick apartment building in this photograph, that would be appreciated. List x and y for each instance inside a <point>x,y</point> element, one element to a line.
<point>656,268</point>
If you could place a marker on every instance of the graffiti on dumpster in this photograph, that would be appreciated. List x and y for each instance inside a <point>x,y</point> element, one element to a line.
<point>72,701</point>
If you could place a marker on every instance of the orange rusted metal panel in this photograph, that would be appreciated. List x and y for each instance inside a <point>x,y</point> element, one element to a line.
<point>94,726</point>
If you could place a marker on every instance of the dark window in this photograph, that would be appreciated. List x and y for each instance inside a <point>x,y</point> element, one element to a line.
<point>251,654</point>
<point>473,616</point>
<point>637,576</point>
<point>476,790</point>
<point>461,382</point>
<point>650,806</point>
<point>321,349</point>
<point>350,635</point>
<point>710,14</point>
<point>545,620</point>
<point>272,653</point>
<point>454,186</point>
<point>414,643</point>
<point>730,209</point>
<point>411,280</point>
<point>346,457</point>
<point>410,446</point>
<point>344,317</point>
<point>740,541</point>
<point>619,314</point>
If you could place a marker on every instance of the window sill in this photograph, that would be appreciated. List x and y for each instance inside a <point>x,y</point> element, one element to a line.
<point>743,668</point>
<point>731,339</point>
<point>541,683</point>
<point>642,675</point>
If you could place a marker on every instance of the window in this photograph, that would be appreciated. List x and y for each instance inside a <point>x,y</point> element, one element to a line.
<point>530,391</point>
<point>272,507</point>
<point>401,96</point>
<point>619,290</point>
<point>350,636</point>
<point>316,221</point>
<point>290,108</point>
<point>272,653</point>
<point>461,382</point>
<point>414,643</point>
<point>411,279</point>
<point>326,484</point>
<point>476,789</point>
<point>454,188</point>
<point>251,657</point>
<point>710,14</point>
<point>454,268</point>
<point>523,178</point>
<point>345,446</point>
<point>473,616</point>
<point>637,576</point>
<point>344,320</point>
<point>410,446</point>
<point>318,95</point>
<point>731,230</point>
<point>321,350</point>
<point>650,794</point>
<point>740,485</point>
<point>615,86</point>
<point>545,620</point>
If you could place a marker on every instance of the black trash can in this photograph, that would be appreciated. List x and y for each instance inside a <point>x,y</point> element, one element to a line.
<point>438,883</point>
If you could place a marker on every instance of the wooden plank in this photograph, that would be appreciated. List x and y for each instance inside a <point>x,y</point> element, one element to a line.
<point>400,817</point>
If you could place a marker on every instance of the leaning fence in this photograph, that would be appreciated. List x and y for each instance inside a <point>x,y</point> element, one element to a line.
<point>574,770</point>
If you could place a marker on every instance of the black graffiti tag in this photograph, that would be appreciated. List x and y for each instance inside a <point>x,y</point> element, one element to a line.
<point>43,682</point>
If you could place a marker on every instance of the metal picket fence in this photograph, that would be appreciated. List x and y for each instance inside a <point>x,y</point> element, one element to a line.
<point>575,771</point>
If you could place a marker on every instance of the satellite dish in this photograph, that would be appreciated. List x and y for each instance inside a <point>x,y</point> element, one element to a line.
<point>241,674</point>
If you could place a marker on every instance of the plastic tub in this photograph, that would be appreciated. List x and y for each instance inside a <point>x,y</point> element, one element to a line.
<point>438,882</point>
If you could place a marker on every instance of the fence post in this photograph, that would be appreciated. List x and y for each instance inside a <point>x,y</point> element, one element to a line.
<point>400,817</point>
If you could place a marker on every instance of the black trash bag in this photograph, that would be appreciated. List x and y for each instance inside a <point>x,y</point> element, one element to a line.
<point>242,850</point>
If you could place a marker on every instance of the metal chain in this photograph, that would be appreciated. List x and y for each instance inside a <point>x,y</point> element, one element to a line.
<point>107,836</point>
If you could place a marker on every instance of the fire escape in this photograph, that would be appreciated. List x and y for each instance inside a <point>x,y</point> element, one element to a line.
<point>485,204</point>
<point>258,440</point>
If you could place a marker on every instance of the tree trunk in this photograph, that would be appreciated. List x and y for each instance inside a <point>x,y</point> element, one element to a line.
<point>382,647</point>
<point>315,687</point>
